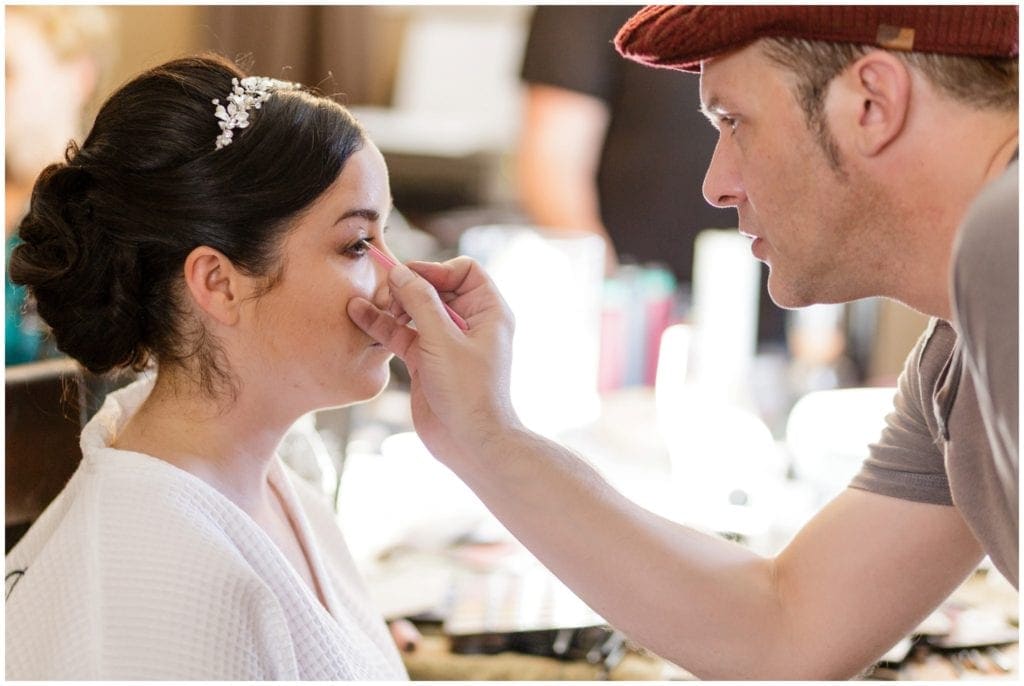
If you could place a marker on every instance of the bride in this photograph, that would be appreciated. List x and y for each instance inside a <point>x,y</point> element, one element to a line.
<point>216,225</point>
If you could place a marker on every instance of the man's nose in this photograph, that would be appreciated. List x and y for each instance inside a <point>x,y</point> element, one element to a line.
<point>722,184</point>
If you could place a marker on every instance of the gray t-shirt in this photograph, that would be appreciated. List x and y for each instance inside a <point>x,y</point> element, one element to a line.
<point>952,436</point>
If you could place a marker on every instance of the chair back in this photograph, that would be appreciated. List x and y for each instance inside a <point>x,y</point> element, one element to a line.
<point>44,413</point>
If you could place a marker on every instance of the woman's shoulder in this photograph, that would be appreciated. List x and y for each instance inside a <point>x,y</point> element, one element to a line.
<point>139,550</point>
<point>128,511</point>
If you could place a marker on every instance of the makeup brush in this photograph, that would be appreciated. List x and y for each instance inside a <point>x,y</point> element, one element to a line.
<point>388,263</point>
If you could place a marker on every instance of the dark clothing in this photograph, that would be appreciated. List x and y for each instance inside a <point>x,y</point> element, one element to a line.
<point>658,143</point>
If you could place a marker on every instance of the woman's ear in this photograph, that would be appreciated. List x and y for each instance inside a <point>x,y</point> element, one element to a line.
<point>875,100</point>
<point>216,286</point>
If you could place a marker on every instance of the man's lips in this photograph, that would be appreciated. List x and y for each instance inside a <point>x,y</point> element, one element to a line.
<point>757,248</point>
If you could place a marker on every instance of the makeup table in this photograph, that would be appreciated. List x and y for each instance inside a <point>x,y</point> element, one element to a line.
<point>426,524</point>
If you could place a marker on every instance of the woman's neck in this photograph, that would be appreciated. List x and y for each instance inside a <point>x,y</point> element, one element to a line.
<point>228,442</point>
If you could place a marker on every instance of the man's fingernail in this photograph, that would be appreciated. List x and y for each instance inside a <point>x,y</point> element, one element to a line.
<point>400,275</point>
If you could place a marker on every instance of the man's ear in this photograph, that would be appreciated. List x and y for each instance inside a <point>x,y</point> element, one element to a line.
<point>215,284</point>
<point>874,100</point>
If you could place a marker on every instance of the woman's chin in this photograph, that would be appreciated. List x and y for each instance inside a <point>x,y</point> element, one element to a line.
<point>370,386</point>
<point>355,387</point>
<point>379,387</point>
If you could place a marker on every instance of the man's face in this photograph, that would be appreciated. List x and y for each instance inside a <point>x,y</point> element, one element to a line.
<point>805,216</point>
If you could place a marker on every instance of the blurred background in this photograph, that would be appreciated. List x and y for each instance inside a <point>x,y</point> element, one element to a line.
<point>644,334</point>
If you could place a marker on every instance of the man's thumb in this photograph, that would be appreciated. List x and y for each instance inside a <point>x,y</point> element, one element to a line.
<point>417,297</point>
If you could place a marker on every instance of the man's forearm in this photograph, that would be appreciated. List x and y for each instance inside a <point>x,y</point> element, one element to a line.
<point>696,599</point>
<point>859,575</point>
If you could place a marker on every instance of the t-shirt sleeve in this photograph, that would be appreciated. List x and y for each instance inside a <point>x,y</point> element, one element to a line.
<point>571,47</point>
<point>907,461</point>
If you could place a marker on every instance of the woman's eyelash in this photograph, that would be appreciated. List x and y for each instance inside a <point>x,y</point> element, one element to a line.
<point>359,247</point>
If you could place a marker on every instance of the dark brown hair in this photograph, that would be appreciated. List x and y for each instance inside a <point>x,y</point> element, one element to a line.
<point>108,230</point>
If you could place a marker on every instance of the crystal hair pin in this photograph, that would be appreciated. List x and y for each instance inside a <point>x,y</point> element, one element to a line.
<point>246,95</point>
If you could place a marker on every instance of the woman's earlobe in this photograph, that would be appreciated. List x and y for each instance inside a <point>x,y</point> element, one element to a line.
<point>214,284</point>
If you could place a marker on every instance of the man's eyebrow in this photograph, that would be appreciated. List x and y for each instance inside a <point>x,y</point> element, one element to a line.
<point>712,108</point>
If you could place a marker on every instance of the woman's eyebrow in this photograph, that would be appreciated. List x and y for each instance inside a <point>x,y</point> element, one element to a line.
<point>367,214</point>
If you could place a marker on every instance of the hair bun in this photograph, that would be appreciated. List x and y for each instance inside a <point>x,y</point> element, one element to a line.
<point>86,286</point>
<point>73,187</point>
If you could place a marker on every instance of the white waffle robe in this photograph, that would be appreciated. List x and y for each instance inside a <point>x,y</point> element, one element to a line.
<point>139,570</point>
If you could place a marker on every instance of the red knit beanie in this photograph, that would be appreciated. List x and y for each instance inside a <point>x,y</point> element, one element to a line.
<point>680,36</point>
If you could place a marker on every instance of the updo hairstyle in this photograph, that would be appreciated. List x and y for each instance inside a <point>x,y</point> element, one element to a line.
<point>108,231</point>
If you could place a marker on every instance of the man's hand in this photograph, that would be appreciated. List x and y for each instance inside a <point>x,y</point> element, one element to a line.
<point>460,379</point>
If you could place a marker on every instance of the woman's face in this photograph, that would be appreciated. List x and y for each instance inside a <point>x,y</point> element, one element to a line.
<point>298,345</point>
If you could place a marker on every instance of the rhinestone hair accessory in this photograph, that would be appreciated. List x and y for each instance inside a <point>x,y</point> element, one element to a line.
<point>246,95</point>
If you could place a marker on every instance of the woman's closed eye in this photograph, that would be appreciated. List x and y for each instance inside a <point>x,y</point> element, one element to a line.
<point>358,248</point>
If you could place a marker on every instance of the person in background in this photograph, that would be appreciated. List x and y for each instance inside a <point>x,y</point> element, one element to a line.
<point>55,57</point>
<point>209,231</point>
<point>877,158</point>
<point>611,148</point>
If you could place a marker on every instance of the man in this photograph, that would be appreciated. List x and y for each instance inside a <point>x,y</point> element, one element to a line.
<point>615,149</point>
<point>858,169</point>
